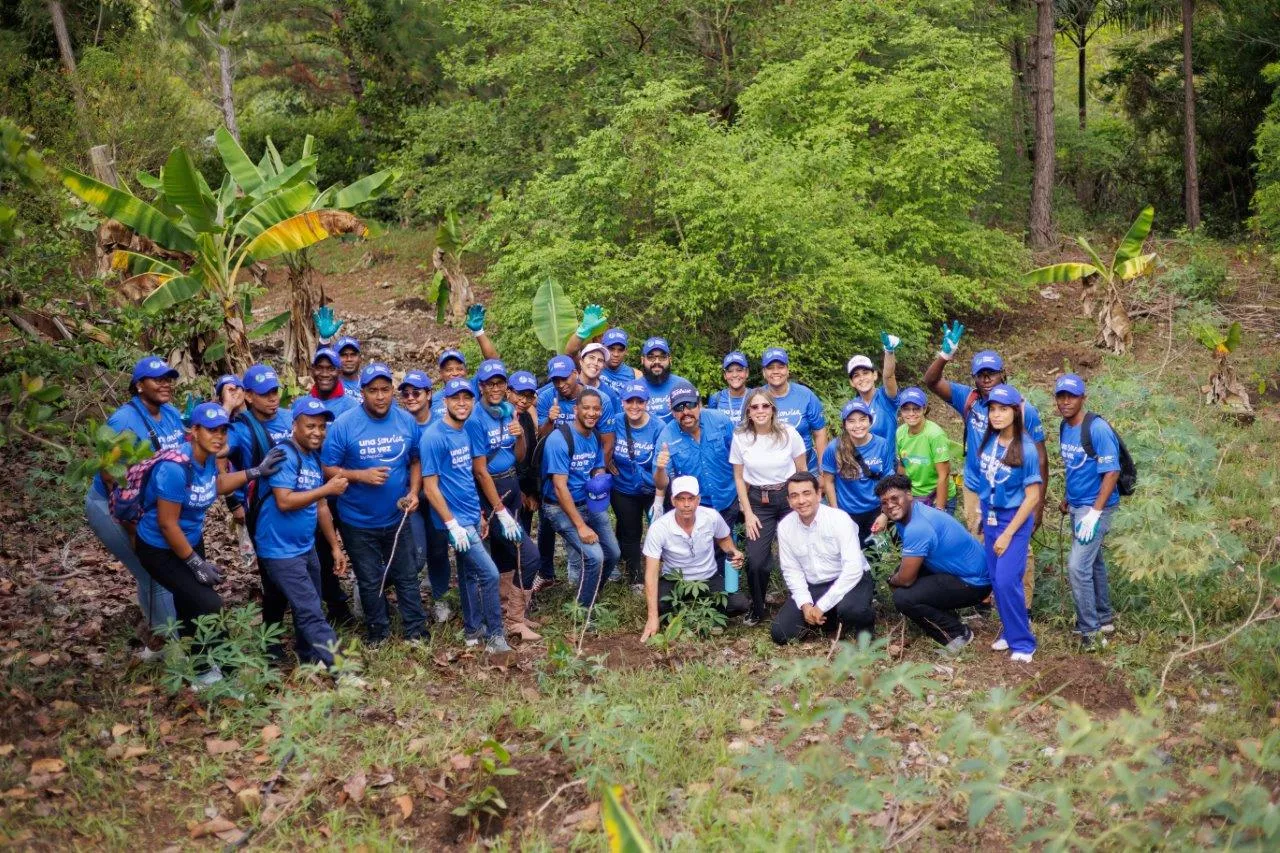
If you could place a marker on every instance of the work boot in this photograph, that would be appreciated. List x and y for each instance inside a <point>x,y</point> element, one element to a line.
<point>513,608</point>
<point>526,597</point>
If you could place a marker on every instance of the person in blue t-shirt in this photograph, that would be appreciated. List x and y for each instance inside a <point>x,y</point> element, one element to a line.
<point>617,373</point>
<point>633,489</point>
<point>943,568</point>
<point>591,365</point>
<point>294,508</point>
<point>1010,490</point>
<point>798,406</point>
<point>565,472</point>
<point>228,392</point>
<point>448,451</point>
<point>349,359</point>
<point>656,360</point>
<point>431,546</point>
<point>150,417</point>
<point>557,400</point>
<point>731,398</point>
<point>325,384</point>
<point>883,399</point>
<point>375,448</point>
<point>853,464</point>
<point>696,444</point>
<point>1091,499</point>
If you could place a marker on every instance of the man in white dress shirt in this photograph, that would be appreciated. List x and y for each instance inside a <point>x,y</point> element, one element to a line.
<point>682,544</point>
<point>823,566</point>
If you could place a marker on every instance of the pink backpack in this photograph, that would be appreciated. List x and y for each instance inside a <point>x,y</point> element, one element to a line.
<point>126,499</point>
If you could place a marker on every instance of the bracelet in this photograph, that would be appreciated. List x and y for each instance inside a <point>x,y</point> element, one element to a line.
<point>478,332</point>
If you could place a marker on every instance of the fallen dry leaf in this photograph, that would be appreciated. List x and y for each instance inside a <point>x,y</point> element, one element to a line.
<point>460,762</point>
<point>382,780</point>
<point>41,659</point>
<point>415,746</point>
<point>236,785</point>
<point>404,802</point>
<point>18,793</point>
<point>135,751</point>
<point>119,730</point>
<point>270,733</point>
<point>214,746</point>
<point>354,788</point>
<point>213,826</point>
<point>6,749</point>
<point>588,815</point>
<point>42,766</point>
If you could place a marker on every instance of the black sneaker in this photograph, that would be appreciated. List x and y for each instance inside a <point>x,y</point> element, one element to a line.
<point>750,621</point>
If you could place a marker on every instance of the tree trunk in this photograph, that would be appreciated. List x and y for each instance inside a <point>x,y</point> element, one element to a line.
<point>1192,174</point>
<point>63,38</point>
<point>305,296</point>
<point>1083,37</point>
<point>1017,69</point>
<point>1041,220</point>
<point>239,357</point>
<point>227,75</point>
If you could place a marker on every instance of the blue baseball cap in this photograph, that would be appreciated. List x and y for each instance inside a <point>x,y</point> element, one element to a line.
<point>311,407</point>
<point>1069,384</point>
<point>615,336</point>
<point>210,416</point>
<point>523,380</point>
<point>457,386</point>
<point>635,391</point>
<point>375,370</point>
<point>1006,395</point>
<point>261,379</point>
<point>857,406</point>
<point>448,354</point>
<point>656,343</point>
<point>987,360</point>
<point>773,354</point>
<point>416,379</point>
<point>344,342</point>
<point>491,368</point>
<point>153,367</point>
<point>560,367</point>
<point>735,357</point>
<point>326,352</point>
<point>684,394</point>
<point>912,395</point>
<point>224,380</point>
<point>598,488</point>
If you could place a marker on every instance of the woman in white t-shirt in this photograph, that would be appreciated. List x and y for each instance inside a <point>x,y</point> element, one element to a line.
<point>764,453</point>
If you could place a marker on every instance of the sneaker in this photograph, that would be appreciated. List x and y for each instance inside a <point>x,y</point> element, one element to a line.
<point>750,621</point>
<point>441,612</point>
<point>497,645</point>
<point>637,588</point>
<point>1021,657</point>
<point>472,639</point>
<point>1093,643</point>
<point>958,643</point>
<point>348,681</point>
<point>146,653</point>
<point>208,678</point>
<point>1108,628</point>
<point>540,583</point>
<point>1000,645</point>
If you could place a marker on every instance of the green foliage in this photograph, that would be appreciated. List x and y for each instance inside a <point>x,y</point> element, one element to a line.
<point>700,611</point>
<point>554,316</point>
<point>564,665</point>
<point>1203,278</point>
<point>1266,148</point>
<point>234,640</point>
<point>483,797</point>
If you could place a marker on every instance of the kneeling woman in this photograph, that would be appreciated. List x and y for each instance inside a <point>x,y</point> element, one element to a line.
<point>177,494</point>
<point>1010,492</point>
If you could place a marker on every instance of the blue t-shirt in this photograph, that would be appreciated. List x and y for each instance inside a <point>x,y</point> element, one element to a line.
<point>707,459</point>
<point>1003,487</point>
<point>492,439</point>
<point>358,441</point>
<point>859,493</point>
<point>801,408</point>
<point>947,548</point>
<point>1084,472</point>
<point>976,430</point>
<point>446,453</point>
<point>168,481</point>
<point>351,387</point>
<point>659,404</point>
<point>618,378</point>
<point>633,456</point>
<point>734,407</point>
<point>587,456</point>
<point>289,534</point>
<point>168,428</point>
<point>340,403</point>
<point>608,391</point>
<point>885,423</point>
<point>548,394</point>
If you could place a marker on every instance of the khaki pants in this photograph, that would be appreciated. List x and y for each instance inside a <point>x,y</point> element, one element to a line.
<point>973,520</point>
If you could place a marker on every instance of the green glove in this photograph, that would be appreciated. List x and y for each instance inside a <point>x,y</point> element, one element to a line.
<point>593,322</point>
<point>475,319</point>
<point>889,341</point>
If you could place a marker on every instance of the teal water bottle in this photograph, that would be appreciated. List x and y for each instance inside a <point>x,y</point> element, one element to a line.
<point>730,577</point>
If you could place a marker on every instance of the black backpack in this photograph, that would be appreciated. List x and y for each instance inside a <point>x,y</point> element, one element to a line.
<point>539,450</point>
<point>1128,482</point>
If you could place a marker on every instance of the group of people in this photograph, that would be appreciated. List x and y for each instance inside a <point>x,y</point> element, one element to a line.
<point>619,464</point>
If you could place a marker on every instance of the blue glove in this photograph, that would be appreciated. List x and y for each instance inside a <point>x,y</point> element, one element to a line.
<point>189,409</point>
<point>593,320</point>
<point>890,341</point>
<point>475,319</point>
<point>951,339</point>
<point>326,324</point>
<point>458,536</point>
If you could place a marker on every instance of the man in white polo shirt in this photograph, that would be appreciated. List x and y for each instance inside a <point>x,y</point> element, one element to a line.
<point>683,544</point>
<point>823,566</point>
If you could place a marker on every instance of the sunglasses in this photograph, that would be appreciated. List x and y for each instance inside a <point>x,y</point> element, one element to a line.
<point>759,407</point>
<point>412,392</point>
<point>683,407</point>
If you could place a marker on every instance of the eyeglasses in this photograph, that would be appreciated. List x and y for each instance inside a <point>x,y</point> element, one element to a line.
<point>683,407</point>
<point>759,407</point>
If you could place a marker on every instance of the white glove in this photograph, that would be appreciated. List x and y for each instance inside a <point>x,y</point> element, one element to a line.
<point>511,529</point>
<point>655,511</point>
<point>1087,526</point>
<point>458,535</point>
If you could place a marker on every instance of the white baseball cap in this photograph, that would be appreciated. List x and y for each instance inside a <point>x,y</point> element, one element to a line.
<point>595,347</point>
<point>685,485</point>
<point>858,361</point>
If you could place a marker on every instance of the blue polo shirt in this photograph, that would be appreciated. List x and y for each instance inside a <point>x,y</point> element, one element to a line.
<point>280,535</point>
<point>358,441</point>
<point>999,485</point>
<point>707,459</point>
<point>659,404</point>
<point>858,494</point>
<point>945,545</point>
<point>1084,472</point>
<point>446,453</point>
<point>547,395</point>
<point>134,417</point>
<point>168,481</point>
<point>619,378</point>
<point>588,455</point>
<point>801,408</point>
<point>734,407</point>
<point>490,437</point>
<point>633,455</point>
<point>976,429</point>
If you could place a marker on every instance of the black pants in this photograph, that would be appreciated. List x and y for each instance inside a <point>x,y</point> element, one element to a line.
<point>629,511</point>
<point>759,550</point>
<point>546,547</point>
<point>331,592</point>
<point>864,520</point>
<point>508,555</point>
<point>854,613</point>
<point>931,603</point>
<point>735,605</point>
<point>191,599</point>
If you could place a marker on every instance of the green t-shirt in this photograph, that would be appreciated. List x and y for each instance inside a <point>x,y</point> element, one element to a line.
<point>918,455</point>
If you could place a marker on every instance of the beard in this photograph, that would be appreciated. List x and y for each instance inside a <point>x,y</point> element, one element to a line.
<point>658,377</point>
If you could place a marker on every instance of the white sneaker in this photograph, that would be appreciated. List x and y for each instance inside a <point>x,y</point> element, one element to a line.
<point>1108,628</point>
<point>207,678</point>
<point>1000,645</point>
<point>1021,657</point>
<point>472,640</point>
<point>958,643</point>
<point>441,612</point>
<point>497,645</point>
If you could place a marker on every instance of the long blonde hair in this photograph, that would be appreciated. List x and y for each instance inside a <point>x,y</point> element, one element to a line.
<point>776,428</point>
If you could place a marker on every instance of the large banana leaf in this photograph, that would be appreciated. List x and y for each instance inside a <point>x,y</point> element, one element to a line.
<point>276,208</point>
<point>1097,261</point>
<point>131,210</point>
<point>1131,245</point>
<point>554,315</point>
<point>276,162</point>
<point>237,162</point>
<point>172,292</point>
<point>185,187</point>
<point>620,826</point>
<point>1057,273</point>
<point>1135,267</point>
<point>301,231</point>
<point>369,187</point>
<point>137,264</point>
<point>300,172</point>
<point>148,180</point>
<point>266,327</point>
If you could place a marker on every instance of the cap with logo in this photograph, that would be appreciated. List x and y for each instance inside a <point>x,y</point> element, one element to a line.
<point>656,344</point>
<point>326,352</point>
<point>491,368</point>
<point>735,357</point>
<point>153,367</point>
<point>615,336</point>
<point>457,386</point>
<point>1069,383</point>
<point>224,380</point>
<point>311,407</point>
<point>590,348</point>
<point>1006,395</point>
<point>684,394</point>
<point>635,391</point>
<point>210,416</point>
<point>598,489</point>
<point>987,360</point>
<point>685,485</point>
<point>523,380</point>
<point>344,342</point>
<point>560,367</point>
<point>375,370</point>
<point>451,354</point>
<point>261,379</point>
<point>416,379</point>
<point>856,406</point>
<point>774,354</point>
<point>914,396</point>
<point>858,361</point>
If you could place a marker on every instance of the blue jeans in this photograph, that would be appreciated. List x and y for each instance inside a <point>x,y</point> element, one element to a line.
<point>156,601</point>
<point>478,586</point>
<point>432,547</point>
<point>1006,573</point>
<point>598,560</point>
<point>299,579</point>
<point>1088,575</point>
<point>369,550</point>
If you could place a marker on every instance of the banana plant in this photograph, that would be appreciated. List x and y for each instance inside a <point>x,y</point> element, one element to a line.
<point>554,316</point>
<point>217,235</point>
<point>1224,388</point>
<point>1114,328</point>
